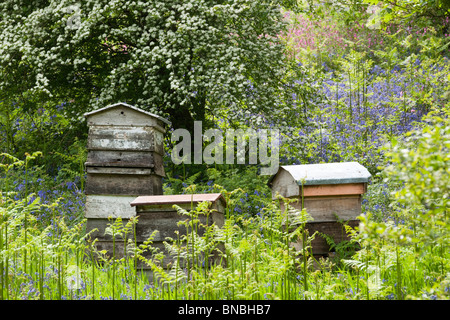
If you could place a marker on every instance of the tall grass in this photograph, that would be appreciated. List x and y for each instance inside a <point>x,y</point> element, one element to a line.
<point>248,258</point>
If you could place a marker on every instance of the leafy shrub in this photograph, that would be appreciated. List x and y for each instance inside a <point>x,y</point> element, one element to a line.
<point>420,164</point>
<point>417,234</point>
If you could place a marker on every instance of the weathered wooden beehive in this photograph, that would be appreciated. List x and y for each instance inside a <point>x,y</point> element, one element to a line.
<point>125,160</point>
<point>331,191</point>
<point>157,214</point>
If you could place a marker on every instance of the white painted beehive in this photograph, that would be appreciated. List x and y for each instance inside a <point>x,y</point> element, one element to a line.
<point>125,160</point>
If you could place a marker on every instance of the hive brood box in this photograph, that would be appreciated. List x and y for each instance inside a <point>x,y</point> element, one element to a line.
<point>125,160</point>
<point>157,214</point>
<point>331,191</point>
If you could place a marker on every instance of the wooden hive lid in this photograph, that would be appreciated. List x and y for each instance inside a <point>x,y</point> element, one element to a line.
<point>111,107</point>
<point>176,199</point>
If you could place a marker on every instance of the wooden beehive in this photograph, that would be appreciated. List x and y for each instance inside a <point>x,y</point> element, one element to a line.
<point>156,213</point>
<point>331,191</point>
<point>125,160</point>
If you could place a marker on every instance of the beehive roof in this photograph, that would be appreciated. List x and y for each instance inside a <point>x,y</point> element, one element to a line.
<point>177,198</point>
<point>87,114</point>
<point>326,173</point>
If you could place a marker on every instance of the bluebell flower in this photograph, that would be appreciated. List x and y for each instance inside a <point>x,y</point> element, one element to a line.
<point>390,296</point>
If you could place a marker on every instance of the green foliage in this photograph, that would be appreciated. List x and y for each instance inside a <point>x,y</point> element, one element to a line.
<point>377,83</point>
<point>344,249</point>
<point>419,232</point>
<point>72,167</point>
<point>43,127</point>
<point>253,195</point>
<point>423,12</point>
<point>185,59</point>
<point>63,263</point>
<point>420,164</point>
<point>365,73</point>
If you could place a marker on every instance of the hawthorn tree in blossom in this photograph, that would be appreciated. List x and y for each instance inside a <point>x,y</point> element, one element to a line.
<point>180,59</point>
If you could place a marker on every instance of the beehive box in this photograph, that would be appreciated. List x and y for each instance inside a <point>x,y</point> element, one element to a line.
<point>158,220</point>
<point>331,191</point>
<point>125,160</point>
<point>156,213</point>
